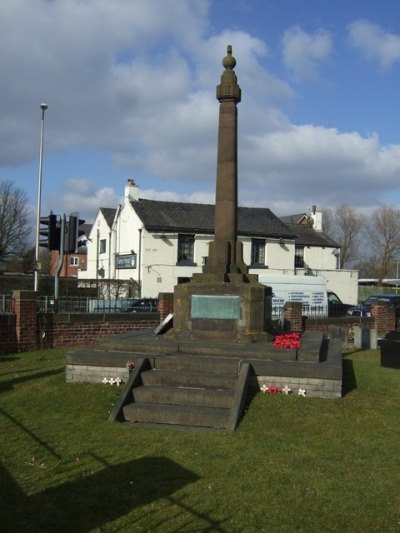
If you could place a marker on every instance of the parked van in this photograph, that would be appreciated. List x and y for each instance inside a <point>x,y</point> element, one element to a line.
<point>310,291</point>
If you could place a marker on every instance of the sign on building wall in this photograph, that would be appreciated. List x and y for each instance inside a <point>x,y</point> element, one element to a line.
<point>126,261</point>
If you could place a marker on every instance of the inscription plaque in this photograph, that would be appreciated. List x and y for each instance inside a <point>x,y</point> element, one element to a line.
<point>217,307</point>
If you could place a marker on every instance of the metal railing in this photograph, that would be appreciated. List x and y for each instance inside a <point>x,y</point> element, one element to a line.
<point>314,311</point>
<point>64,304</point>
<point>78,304</point>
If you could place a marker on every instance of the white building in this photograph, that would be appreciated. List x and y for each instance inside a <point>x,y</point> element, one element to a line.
<point>159,244</point>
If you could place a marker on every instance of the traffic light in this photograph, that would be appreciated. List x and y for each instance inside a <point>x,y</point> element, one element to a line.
<point>73,233</point>
<point>52,232</point>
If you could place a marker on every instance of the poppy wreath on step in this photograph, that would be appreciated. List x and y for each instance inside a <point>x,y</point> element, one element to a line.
<point>287,340</point>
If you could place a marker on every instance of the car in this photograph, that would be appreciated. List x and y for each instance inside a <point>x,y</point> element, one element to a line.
<point>335,305</point>
<point>143,305</point>
<point>364,309</point>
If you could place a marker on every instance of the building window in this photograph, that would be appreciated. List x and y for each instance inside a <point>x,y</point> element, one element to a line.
<point>185,249</point>
<point>299,257</point>
<point>74,261</point>
<point>257,252</point>
<point>184,280</point>
<point>102,246</point>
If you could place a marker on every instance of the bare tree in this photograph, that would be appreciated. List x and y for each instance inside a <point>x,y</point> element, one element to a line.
<point>118,288</point>
<point>384,234</point>
<point>14,228</point>
<point>344,224</point>
<point>327,222</point>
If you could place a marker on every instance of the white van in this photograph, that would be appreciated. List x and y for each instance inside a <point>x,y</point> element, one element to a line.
<point>309,290</point>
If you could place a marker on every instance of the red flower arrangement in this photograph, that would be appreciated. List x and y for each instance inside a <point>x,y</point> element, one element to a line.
<point>274,390</point>
<point>130,365</point>
<point>287,340</point>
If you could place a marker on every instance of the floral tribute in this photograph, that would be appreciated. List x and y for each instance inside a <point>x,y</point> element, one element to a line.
<point>273,389</point>
<point>113,381</point>
<point>287,340</point>
<point>130,365</point>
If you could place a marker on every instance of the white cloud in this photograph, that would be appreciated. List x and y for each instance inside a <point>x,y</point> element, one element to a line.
<point>168,196</point>
<point>136,78</point>
<point>318,165</point>
<point>80,58</point>
<point>304,52</point>
<point>84,196</point>
<point>374,43</point>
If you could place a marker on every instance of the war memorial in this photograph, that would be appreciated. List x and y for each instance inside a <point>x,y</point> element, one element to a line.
<point>200,368</point>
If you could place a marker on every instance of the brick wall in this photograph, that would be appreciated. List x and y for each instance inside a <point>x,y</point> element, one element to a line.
<point>385,317</point>
<point>27,329</point>
<point>25,309</point>
<point>57,330</point>
<point>293,316</point>
<point>8,339</point>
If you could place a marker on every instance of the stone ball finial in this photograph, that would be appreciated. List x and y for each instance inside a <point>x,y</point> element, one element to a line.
<point>229,61</point>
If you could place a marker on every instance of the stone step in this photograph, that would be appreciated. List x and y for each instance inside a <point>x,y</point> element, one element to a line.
<point>179,415</point>
<point>184,362</point>
<point>205,380</point>
<point>184,396</point>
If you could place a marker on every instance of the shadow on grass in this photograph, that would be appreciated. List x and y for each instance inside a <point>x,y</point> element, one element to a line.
<point>85,504</point>
<point>349,378</point>
<point>30,433</point>
<point>8,359</point>
<point>8,385</point>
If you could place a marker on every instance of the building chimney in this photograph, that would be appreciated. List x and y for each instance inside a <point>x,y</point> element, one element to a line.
<point>131,191</point>
<point>315,218</point>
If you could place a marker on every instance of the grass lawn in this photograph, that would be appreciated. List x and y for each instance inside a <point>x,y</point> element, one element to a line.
<point>294,464</point>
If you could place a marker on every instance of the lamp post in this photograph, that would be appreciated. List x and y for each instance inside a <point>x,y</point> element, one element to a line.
<point>43,107</point>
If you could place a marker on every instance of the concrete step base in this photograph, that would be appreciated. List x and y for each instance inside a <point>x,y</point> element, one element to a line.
<point>177,415</point>
<point>198,363</point>
<point>183,396</point>
<point>174,378</point>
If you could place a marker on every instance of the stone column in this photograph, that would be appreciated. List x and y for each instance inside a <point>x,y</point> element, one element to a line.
<point>225,253</point>
<point>224,303</point>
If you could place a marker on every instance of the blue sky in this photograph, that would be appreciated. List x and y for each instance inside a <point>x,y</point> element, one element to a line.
<point>130,86</point>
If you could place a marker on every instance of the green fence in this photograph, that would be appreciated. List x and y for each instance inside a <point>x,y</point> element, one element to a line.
<point>364,291</point>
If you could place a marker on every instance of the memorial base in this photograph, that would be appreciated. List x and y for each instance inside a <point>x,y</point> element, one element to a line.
<point>223,311</point>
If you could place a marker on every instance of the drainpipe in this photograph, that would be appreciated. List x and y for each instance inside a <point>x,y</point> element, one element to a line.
<point>97,260</point>
<point>140,263</point>
<point>109,265</point>
<point>115,240</point>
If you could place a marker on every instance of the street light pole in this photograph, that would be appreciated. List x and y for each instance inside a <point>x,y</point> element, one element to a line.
<point>43,107</point>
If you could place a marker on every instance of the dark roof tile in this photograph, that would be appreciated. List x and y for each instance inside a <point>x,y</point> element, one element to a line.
<point>109,214</point>
<point>307,236</point>
<point>199,218</point>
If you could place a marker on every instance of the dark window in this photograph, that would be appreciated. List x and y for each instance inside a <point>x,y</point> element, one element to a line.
<point>258,252</point>
<point>102,246</point>
<point>185,248</point>
<point>74,261</point>
<point>184,280</point>
<point>299,257</point>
